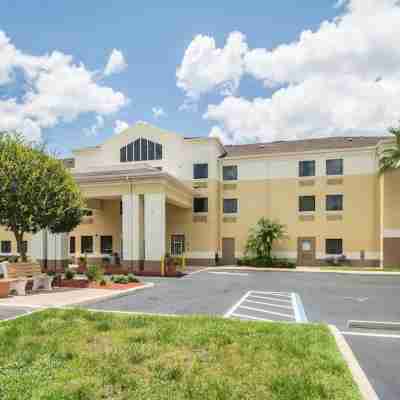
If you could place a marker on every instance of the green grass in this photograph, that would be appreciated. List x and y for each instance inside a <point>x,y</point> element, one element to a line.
<point>76,354</point>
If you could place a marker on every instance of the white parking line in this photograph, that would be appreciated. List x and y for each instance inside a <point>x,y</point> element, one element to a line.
<point>267,311</point>
<point>236,305</point>
<point>268,304</point>
<point>377,335</point>
<point>270,298</point>
<point>228,273</point>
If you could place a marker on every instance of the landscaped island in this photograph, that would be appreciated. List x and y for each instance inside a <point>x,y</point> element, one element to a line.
<point>77,354</point>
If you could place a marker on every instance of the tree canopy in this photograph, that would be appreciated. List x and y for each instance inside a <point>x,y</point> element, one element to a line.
<point>262,237</point>
<point>390,156</point>
<point>36,191</point>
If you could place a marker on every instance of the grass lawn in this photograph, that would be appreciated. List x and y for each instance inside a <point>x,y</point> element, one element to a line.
<point>76,354</point>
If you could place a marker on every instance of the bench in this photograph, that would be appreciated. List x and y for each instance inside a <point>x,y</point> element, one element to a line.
<point>18,275</point>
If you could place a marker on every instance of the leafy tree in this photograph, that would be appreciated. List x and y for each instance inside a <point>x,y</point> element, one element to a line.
<point>390,156</point>
<point>36,191</point>
<point>262,237</point>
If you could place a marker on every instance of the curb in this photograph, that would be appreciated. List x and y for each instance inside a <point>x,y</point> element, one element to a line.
<point>110,296</point>
<point>311,270</point>
<point>392,326</point>
<point>364,385</point>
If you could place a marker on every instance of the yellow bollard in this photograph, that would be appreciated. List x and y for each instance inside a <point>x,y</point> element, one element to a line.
<point>162,266</point>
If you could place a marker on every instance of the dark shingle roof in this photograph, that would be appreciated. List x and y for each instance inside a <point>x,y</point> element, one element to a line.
<point>293,146</point>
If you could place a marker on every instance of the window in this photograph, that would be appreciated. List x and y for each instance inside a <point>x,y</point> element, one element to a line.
<point>334,167</point>
<point>230,206</point>
<point>200,171</point>
<point>141,150</point>
<point>143,146</point>
<point>6,246</point>
<point>86,244</point>
<point>334,202</point>
<point>177,245</point>
<point>123,154</point>
<point>72,245</point>
<point>106,244</point>
<point>334,246</point>
<point>200,204</point>
<point>24,246</point>
<point>151,150</point>
<point>306,203</point>
<point>230,173</point>
<point>158,151</point>
<point>306,168</point>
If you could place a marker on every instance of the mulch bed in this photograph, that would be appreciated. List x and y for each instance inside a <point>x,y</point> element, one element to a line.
<point>85,284</point>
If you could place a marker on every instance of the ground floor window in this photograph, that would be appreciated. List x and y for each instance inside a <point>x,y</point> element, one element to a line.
<point>6,246</point>
<point>24,246</point>
<point>177,245</point>
<point>72,245</point>
<point>334,246</point>
<point>86,244</point>
<point>106,244</point>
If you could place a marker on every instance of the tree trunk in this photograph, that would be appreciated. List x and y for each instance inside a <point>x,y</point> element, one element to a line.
<point>19,237</point>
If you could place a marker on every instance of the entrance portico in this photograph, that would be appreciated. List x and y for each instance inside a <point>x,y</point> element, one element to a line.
<point>143,192</point>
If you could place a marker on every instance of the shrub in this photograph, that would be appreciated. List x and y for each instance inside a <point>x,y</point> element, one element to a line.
<point>266,262</point>
<point>69,274</point>
<point>103,282</point>
<point>94,273</point>
<point>132,278</point>
<point>120,279</point>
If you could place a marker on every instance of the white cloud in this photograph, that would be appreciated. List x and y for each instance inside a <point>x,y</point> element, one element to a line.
<point>120,126</point>
<point>205,67</point>
<point>158,112</point>
<point>116,63</point>
<point>55,90</point>
<point>94,129</point>
<point>341,79</point>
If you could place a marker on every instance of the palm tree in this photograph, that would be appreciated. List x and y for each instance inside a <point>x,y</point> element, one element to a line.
<point>262,237</point>
<point>390,156</point>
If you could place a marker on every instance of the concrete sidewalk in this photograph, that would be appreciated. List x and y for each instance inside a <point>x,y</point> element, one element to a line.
<point>66,297</point>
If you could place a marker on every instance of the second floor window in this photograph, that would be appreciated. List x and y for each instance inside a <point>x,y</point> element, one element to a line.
<point>200,204</point>
<point>334,167</point>
<point>306,203</point>
<point>86,244</point>
<point>306,168</point>
<point>230,172</point>
<point>200,171</point>
<point>230,206</point>
<point>141,150</point>
<point>334,202</point>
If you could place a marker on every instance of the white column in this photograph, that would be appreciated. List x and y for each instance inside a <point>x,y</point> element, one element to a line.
<point>154,226</point>
<point>57,246</point>
<point>39,246</point>
<point>130,227</point>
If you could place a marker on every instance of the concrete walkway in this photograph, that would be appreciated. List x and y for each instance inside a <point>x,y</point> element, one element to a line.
<point>66,297</point>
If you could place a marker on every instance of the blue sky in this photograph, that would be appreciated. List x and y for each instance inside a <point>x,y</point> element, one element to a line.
<point>153,40</point>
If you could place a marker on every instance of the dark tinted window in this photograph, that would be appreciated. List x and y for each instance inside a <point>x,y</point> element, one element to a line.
<point>334,202</point>
<point>106,244</point>
<point>200,204</point>
<point>230,172</point>
<point>334,246</point>
<point>86,244</point>
<point>72,245</point>
<point>158,151</point>
<point>230,206</point>
<point>334,167</point>
<point>151,150</point>
<point>200,171</point>
<point>143,144</point>
<point>307,168</point>
<point>123,154</point>
<point>6,246</point>
<point>307,203</point>
<point>137,150</point>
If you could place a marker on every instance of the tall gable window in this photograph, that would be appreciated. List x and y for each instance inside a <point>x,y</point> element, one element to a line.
<point>141,150</point>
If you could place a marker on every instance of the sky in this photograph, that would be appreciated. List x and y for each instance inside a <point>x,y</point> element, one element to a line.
<point>74,73</point>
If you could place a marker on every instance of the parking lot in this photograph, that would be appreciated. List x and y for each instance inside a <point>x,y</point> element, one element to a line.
<point>287,296</point>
